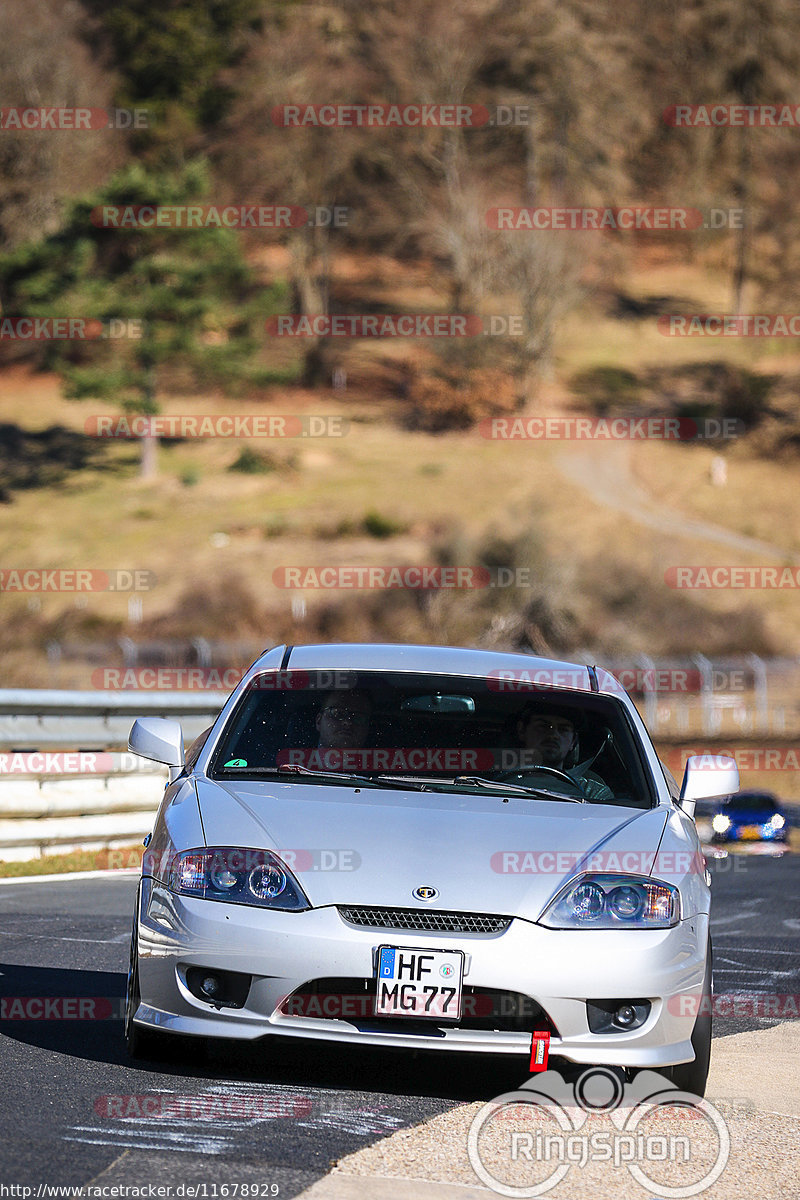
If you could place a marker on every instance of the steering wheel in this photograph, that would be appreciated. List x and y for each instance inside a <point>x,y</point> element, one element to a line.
<point>521,777</point>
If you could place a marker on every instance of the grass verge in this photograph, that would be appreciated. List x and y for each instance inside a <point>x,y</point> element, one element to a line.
<point>75,860</point>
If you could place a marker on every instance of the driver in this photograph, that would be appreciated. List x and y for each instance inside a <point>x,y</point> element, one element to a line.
<point>549,739</point>
<point>343,720</point>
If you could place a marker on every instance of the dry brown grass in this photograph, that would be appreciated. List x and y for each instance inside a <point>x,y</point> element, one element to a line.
<point>435,487</point>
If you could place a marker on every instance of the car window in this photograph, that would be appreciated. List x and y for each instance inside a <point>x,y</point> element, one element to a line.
<point>672,783</point>
<point>437,728</point>
<point>193,752</point>
<point>754,802</point>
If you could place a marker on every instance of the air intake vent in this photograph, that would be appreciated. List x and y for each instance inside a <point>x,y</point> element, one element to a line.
<point>428,920</point>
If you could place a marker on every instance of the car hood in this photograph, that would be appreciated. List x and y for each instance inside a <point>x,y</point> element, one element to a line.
<point>482,853</point>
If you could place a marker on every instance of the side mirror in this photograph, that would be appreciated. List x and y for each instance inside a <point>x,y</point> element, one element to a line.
<point>707,776</point>
<point>159,739</point>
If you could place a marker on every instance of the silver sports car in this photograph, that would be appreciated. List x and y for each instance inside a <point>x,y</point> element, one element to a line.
<point>427,848</point>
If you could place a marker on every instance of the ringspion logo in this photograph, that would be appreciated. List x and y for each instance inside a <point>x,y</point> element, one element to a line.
<point>536,1134</point>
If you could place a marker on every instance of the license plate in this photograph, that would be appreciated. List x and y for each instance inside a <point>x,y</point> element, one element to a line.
<point>419,983</point>
<point>750,833</point>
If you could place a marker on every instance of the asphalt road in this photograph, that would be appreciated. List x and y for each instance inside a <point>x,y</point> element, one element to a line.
<point>62,1122</point>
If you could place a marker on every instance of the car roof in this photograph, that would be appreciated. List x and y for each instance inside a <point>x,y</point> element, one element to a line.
<point>445,660</point>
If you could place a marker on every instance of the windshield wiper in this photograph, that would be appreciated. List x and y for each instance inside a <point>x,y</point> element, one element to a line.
<point>515,789</point>
<point>421,782</point>
<point>306,772</point>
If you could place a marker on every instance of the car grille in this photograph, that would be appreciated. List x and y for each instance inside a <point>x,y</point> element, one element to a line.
<point>428,920</point>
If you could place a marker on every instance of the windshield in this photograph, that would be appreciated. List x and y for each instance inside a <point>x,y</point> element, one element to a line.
<point>434,732</point>
<point>754,802</point>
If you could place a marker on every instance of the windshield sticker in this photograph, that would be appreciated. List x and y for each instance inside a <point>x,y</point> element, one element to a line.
<point>236,762</point>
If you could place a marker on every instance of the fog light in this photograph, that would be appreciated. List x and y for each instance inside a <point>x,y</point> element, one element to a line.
<point>223,989</point>
<point>616,1015</point>
<point>210,986</point>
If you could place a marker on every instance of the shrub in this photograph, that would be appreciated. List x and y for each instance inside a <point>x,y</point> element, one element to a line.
<point>456,399</point>
<point>603,389</point>
<point>378,526</point>
<point>250,462</point>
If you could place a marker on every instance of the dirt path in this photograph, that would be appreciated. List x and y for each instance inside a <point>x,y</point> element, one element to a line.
<point>604,471</point>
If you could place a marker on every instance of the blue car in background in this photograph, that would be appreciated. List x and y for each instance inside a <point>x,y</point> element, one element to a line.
<point>749,817</point>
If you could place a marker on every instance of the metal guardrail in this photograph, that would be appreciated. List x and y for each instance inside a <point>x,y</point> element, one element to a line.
<point>66,781</point>
<point>113,802</point>
<point>40,718</point>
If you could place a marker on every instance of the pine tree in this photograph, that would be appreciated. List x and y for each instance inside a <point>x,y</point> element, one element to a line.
<point>183,298</point>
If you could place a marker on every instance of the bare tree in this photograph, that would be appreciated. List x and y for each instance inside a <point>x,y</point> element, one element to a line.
<point>44,63</point>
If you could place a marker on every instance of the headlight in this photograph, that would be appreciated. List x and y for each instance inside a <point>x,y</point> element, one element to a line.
<point>614,902</point>
<point>237,876</point>
<point>720,823</point>
<point>778,821</point>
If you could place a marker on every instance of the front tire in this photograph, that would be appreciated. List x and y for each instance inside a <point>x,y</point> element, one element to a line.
<point>152,1044</point>
<point>692,1077</point>
<point>141,1042</point>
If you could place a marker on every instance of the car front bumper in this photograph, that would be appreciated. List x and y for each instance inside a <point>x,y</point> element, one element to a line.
<point>283,951</point>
